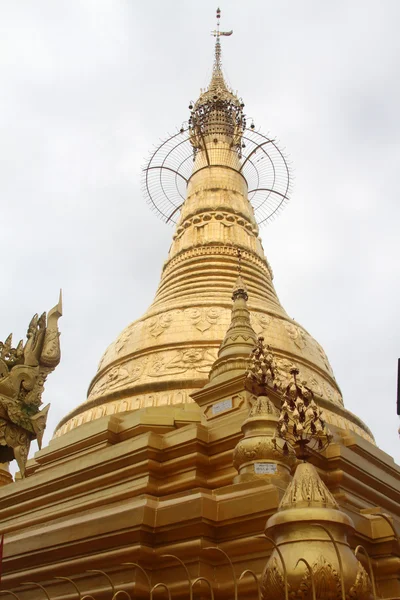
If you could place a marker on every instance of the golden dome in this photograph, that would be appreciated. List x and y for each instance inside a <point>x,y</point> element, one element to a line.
<point>164,356</point>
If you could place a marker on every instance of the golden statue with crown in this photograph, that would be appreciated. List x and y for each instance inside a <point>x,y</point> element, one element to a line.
<point>23,372</point>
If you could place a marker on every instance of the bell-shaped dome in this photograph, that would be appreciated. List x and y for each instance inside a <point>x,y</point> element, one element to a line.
<point>166,355</point>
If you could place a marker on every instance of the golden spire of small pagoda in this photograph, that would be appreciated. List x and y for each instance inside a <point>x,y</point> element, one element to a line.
<point>217,115</point>
<point>240,338</point>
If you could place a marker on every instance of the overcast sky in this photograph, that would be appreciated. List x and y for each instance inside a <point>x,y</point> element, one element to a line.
<point>86,90</point>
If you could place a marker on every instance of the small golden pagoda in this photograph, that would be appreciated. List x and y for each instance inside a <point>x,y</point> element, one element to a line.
<point>213,456</point>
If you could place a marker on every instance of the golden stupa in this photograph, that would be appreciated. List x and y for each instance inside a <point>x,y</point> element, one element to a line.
<point>190,470</point>
<point>166,355</point>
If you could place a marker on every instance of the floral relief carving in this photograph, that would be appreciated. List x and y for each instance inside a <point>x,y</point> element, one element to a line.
<point>273,581</point>
<point>362,587</point>
<point>249,450</point>
<point>296,334</point>
<point>315,386</point>
<point>203,318</point>
<point>118,376</point>
<point>326,580</point>
<point>112,379</point>
<point>124,338</point>
<point>260,322</point>
<point>328,392</point>
<point>194,359</point>
<point>157,325</point>
<point>308,489</point>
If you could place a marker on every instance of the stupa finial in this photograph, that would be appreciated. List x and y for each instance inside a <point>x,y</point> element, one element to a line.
<point>217,116</point>
<point>217,68</point>
<point>240,338</point>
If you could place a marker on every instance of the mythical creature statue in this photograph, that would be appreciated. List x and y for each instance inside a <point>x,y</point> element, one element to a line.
<point>23,372</point>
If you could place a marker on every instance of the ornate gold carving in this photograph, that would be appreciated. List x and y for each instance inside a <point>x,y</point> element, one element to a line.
<point>362,587</point>
<point>260,322</point>
<point>111,380</point>
<point>123,339</point>
<point>326,579</point>
<point>262,367</point>
<point>217,112</point>
<point>258,450</point>
<point>118,346</point>
<point>307,488</point>
<point>194,359</point>
<point>203,318</point>
<point>23,372</point>
<point>273,581</point>
<point>118,376</point>
<point>301,421</point>
<point>226,218</point>
<point>319,387</point>
<point>157,325</point>
<point>315,386</point>
<point>137,402</point>
<point>328,392</point>
<point>296,334</point>
<point>346,424</point>
<point>263,407</point>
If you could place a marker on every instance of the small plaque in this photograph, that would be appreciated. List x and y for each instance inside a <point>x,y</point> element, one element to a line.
<point>220,407</point>
<point>264,468</point>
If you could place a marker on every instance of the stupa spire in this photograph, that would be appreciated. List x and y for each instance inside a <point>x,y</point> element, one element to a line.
<point>240,338</point>
<point>217,79</point>
<point>217,120</point>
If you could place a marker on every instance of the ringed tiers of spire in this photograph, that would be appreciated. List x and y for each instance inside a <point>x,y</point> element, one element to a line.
<point>167,354</point>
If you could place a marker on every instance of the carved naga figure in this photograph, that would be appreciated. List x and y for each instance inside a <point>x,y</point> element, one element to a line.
<point>23,372</point>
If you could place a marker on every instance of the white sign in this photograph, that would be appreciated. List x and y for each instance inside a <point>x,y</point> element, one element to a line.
<point>220,407</point>
<point>264,468</point>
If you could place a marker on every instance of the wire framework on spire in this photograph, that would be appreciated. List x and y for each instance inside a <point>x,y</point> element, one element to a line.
<point>217,126</point>
<point>262,164</point>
